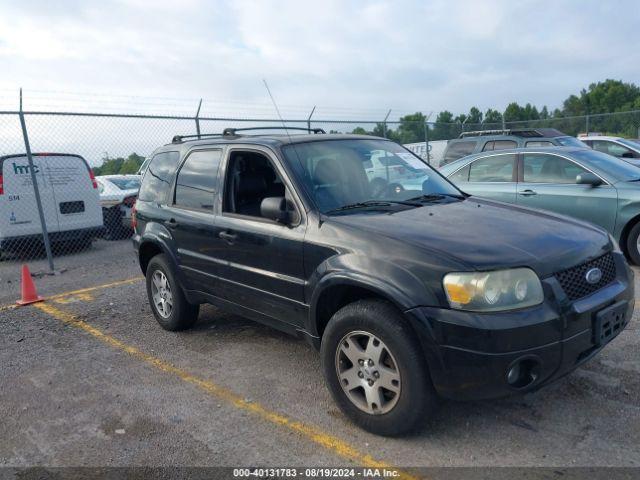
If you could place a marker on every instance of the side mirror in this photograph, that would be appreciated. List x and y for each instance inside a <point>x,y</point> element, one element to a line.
<point>588,178</point>
<point>627,155</point>
<point>275,208</point>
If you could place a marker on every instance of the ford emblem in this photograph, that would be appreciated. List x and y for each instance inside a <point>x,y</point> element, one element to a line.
<point>593,276</point>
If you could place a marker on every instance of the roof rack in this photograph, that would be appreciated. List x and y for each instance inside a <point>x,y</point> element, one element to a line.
<point>232,132</point>
<point>522,132</point>
<point>180,138</point>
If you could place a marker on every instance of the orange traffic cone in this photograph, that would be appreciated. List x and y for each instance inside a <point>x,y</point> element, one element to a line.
<point>29,294</point>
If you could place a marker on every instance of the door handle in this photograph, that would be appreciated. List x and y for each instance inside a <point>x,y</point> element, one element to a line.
<point>171,223</point>
<point>228,237</point>
<point>527,193</point>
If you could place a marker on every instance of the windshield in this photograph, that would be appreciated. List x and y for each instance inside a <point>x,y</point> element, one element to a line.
<point>570,142</point>
<point>610,166</point>
<point>126,183</point>
<point>629,142</point>
<point>365,173</point>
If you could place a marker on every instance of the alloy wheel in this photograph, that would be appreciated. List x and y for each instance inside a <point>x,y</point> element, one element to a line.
<point>368,372</point>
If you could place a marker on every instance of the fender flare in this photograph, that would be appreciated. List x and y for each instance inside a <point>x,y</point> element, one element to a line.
<point>384,289</point>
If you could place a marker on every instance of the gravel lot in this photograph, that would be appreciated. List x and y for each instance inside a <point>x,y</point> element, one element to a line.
<point>116,390</point>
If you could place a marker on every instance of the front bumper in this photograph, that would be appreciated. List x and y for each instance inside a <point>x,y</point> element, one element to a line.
<point>469,353</point>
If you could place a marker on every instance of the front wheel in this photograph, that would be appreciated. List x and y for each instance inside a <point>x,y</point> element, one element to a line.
<point>169,305</point>
<point>633,244</point>
<point>375,368</point>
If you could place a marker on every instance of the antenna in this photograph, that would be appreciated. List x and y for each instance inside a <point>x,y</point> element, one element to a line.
<point>276,107</point>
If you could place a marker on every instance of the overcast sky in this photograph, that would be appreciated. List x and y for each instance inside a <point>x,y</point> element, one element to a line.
<point>355,57</point>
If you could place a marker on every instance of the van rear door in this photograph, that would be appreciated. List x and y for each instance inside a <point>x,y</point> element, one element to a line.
<point>75,192</point>
<point>18,208</point>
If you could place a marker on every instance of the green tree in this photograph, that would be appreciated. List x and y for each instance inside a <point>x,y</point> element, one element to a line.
<point>493,117</point>
<point>411,128</point>
<point>444,128</point>
<point>475,116</point>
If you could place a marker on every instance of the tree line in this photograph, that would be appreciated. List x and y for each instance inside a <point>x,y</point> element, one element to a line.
<point>119,165</point>
<point>609,96</point>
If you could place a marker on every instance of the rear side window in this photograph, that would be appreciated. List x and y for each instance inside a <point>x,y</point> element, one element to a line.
<point>497,168</point>
<point>538,143</point>
<point>458,150</point>
<point>499,145</point>
<point>157,179</point>
<point>197,181</point>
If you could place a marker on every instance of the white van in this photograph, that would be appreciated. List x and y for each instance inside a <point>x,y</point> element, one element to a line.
<point>69,194</point>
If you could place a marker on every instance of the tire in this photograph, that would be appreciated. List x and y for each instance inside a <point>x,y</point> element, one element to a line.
<point>415,399</point>
<point>180,314</point>
<point>632,244</point>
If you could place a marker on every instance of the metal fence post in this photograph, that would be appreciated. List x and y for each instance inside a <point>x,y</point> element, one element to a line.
<point>586,121</point>
<point>384,124</point>
<point>197,118</point>
<point>36,190</point>
<point>309,118</point>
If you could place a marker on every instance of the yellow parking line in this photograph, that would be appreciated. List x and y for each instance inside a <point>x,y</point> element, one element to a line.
<point>315,434</point>
<point>82,292</point>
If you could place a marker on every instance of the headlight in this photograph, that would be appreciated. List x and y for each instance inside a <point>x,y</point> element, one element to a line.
<point>493,291</point>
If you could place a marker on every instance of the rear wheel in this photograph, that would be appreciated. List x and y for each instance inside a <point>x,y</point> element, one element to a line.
<point>375,368</point>
<point>169,305</point>
<point>633,244</point>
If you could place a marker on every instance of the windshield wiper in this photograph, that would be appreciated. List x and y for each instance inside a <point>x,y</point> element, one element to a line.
<point>373,203</point>
<point>435,196</point>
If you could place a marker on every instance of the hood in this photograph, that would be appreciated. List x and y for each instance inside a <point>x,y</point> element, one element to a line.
<point>488,235</point>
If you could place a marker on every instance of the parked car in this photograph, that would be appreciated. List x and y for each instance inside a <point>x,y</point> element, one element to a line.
<point>578,182</point>
<point>409,294</point>
<point>118,194</point>
<point>623,148</point>
<point>488,140</point>
<point>68,193</point>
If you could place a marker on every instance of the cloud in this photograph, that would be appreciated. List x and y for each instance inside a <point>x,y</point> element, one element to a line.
<point>350,58</point>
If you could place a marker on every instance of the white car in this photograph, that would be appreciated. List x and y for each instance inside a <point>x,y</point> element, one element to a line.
<point>623,148</point>
<point>118,194</point>
<point>68,193</point>
<point>385,168</point>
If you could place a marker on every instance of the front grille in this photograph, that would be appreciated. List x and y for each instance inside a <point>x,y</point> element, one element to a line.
<point>573,280</point>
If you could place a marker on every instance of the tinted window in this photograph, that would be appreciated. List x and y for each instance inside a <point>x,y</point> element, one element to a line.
<point>458,150</point>
<point>497,168</point>
<point>461,175</point>
<point>613,149</point>
<point>542,168</point>
<point>158,177</point>
<point>504,144</point>
<point>198,180</point>
<point>538,143</point>
<point>499,145</point>
<point>569,142</point>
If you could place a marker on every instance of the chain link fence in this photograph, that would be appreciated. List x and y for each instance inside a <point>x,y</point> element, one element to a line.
<point>77,209</point>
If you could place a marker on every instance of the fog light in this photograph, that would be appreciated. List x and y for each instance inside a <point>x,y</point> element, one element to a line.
<point>523,373</point>
<point>514,374</point>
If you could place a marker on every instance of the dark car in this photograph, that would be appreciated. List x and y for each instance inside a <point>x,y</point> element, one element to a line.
<point>489,140</point>
<point>410,294</point>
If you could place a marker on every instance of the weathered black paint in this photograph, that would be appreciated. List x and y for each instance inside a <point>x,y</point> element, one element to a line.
<point>279,274</point>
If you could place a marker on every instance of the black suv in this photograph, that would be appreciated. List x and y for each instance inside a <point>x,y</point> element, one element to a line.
<point>484,140</point>
<point>410,289</point>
